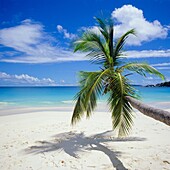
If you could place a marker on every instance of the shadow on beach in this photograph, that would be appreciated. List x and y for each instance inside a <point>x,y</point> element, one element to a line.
<point>72,143</point>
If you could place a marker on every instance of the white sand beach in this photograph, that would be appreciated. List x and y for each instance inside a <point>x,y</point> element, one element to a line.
<point>44,140</point>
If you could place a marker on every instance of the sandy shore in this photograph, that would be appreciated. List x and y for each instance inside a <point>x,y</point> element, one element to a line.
<point>44,140</point>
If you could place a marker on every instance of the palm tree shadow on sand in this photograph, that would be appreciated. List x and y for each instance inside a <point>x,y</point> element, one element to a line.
<point>72,143</point>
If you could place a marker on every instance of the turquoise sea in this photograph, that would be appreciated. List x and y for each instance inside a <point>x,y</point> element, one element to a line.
<point>63,96</point>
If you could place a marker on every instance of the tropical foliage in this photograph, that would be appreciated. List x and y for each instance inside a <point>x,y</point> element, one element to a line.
<point>112,78</point>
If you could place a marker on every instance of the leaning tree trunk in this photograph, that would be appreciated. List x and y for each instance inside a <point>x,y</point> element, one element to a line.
<point>152,112</point>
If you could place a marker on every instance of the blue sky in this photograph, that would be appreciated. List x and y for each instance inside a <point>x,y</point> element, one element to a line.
<point>35,38</point>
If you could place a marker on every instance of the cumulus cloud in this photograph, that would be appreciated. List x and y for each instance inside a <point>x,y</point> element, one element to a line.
<point>65,32</point>
<point>24,79</point>
<point>128,17</point>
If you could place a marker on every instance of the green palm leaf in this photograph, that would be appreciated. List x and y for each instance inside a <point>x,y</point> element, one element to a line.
<point>119,106</point>
<point>120,43</point>
<point>92,43</point>
<point>107,32</point>
<point>142,69</point>
<point>91,88</point>
<point>103,28</point>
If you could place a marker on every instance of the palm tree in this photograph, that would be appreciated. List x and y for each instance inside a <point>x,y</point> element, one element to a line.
<point>111,79</point>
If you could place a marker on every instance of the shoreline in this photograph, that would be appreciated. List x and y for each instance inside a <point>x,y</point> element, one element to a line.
<point>102,107</point>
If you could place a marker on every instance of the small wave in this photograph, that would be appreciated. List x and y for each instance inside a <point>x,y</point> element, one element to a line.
<point>68,101</point>
<point>47,102</point>
<point>4,103</point>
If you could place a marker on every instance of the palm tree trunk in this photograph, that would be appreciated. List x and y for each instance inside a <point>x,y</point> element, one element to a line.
<point>152,112</point>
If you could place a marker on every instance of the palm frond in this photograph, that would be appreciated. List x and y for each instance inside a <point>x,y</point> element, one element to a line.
<point>110,41</point>
<point>103,28</point>
<point>120,43</point>
<point>79,108</point>
<point>119,106</point>
<point>96,57</point>
<point>89,41</point>
<point>91,88</point>
<point>92,43</point>
<point>142,69</point>
<point>107,32</point>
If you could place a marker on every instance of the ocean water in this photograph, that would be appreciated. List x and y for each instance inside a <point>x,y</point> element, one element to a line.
<point>64,96</point>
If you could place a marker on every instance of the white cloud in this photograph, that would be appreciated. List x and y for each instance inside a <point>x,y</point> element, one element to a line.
<point>147,53</point>
<point>90,28</point>
<point>65,32</point>
<point>31,44</point>
<point>57,55</point>
<point>21,36</point>
<point>62,81</point>
<point>4,75</point>
<point>59,28</point>
<point>161,64</point>
<point>129,17</point>
<point>24,79</point>
<point>163,68</point>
